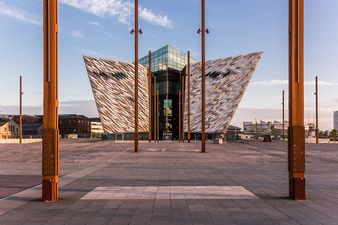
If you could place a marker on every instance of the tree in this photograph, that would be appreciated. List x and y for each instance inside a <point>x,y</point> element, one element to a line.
<point>334,134</point>
<point>324,134</point>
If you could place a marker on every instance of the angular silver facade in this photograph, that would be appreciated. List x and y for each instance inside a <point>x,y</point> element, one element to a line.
<point>113,88</point>
<point>226,82</point>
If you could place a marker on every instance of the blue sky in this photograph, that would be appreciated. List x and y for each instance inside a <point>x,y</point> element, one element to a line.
<point>101,28</point>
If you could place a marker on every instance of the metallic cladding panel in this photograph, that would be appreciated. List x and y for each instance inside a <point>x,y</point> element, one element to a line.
<point>113,88</point>
<point>226,83</point>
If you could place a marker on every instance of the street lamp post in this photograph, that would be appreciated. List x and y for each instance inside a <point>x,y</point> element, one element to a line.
<point>155,111</point>
<point>50,146</point>
<point>149,94</point>
<point>203,31</point>
<point>283,116</point>
<point>182,104</point>
<point>158,115</point>
<point>20,118</point>
<point>188,90</point>
<point>296,137</point>
<point>136,77</point>
<point>136,32</point>
<point>179,115</point>
<point>317,128</point>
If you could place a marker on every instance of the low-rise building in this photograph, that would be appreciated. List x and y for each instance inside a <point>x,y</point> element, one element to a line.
<point>257,128</point>
<point>262,128</point>
<point>96,128</point>
<point>70,124</point>
<point>310,130</point>
<point>32,130</point>
<point>248,127</point>
<point>5,117</point>
<point>27,119</point>
<point>277,129</point>
<point>233,133</point>
<point>32,126</point>
<point>9,129</point>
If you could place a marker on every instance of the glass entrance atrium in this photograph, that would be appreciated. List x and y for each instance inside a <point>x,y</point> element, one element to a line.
<point>167,64</point>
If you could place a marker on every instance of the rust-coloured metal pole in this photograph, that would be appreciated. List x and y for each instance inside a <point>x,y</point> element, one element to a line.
<point>179,116</point>
<point>188,90</point>
<point>150,94</point>
<point>283,116</point>
<point>317,128</point>
<point>203,76</point>
<point>136,32</point>
<point>158,115</point>
<point>20,119</point>
<point>296,100</point>
<point>155,113</point>
<point>182,104</point>
<point>50,144</point>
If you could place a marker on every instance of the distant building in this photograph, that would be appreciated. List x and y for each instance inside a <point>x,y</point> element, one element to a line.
<point>32,130</point>
<point>233,133</point>
<point>96,128</point>
<point>112,83</point>
<point>233,129</point>
<point>257,128</point>
<point>32,126</point>
<point>248,127</point>
<point>70,124</point>
<point>37,119</point>
<point>5,117</point>
<point>277,128</point>
<point>310,130</point>
<point>8,129</point>
<point>335,120</point>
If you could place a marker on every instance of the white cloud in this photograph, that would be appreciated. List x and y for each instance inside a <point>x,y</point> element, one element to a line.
<point>91,52</point>
<point>320,83</point>
<point>104,8</point>
<point>18,14</point>
<point>94,23</point>
<point>150,17</point>
<point>77,34</point>
<point>285,82</point>
<point>270,82</point>
<point>122,10</point>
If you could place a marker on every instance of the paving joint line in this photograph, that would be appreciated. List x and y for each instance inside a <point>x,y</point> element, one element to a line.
<point>16,200</point>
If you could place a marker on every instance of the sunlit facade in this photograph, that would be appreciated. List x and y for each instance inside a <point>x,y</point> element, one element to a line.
<point>167,57</point>
<point>113,88</point>
<point>167,64</point>
<point>335,120</point>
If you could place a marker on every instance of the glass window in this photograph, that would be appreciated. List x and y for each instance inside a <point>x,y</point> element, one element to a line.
<point>168,103</point>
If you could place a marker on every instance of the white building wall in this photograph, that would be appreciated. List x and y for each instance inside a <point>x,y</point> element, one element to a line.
<point>335,120</point>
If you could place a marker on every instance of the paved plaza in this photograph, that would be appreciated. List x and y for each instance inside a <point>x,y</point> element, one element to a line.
<point>238,183</point>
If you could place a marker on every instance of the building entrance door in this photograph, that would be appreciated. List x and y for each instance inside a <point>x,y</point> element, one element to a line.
<point>167,136</point>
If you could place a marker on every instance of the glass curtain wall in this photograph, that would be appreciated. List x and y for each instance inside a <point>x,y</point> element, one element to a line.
<point>167,64</point>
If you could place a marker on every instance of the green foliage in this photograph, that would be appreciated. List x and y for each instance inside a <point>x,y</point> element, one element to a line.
<point>334,134</point>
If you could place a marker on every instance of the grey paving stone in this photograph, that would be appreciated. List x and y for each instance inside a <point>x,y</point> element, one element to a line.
<point>160,185</point>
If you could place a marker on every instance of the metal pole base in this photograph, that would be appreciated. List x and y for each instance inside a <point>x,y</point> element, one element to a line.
<point>50,188</point>
<point>297,188</point>
<point>136,142</point>
<point>136,145</point>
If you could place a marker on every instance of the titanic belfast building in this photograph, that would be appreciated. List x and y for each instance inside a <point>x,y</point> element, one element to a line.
<point>112,83</point>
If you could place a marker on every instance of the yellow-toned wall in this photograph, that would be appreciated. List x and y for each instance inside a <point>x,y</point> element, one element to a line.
<point>9,130</point>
